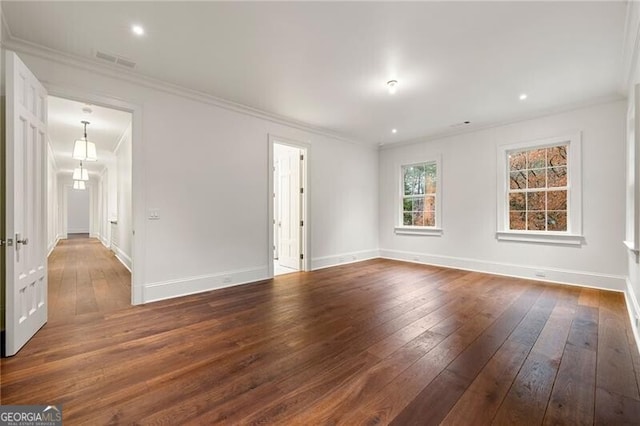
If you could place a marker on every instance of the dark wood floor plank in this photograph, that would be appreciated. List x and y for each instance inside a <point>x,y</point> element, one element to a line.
<point>485,394</point>
<point>374,342</point>
<point>573,397</point>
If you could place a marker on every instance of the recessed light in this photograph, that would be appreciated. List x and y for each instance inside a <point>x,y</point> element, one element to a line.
<point>394,130</point>
<point>523,96</point>
<point>137,30</point>
<point>392,85</point>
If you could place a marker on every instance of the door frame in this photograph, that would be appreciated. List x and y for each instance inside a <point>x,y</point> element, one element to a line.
<point>305,205</point>
<point>137,175</point>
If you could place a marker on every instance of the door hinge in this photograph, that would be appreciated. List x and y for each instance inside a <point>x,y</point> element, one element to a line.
<point>302,190</point>
<point>302,223</point>
<point>301,256</point>
<point>301,157</point>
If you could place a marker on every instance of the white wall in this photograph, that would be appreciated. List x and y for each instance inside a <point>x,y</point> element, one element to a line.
<point>469,201</point>
<point>632,68</point>
<point>122,245</point>
<point>204,167</point>
<point>77,211</point>
<point>52,201</point>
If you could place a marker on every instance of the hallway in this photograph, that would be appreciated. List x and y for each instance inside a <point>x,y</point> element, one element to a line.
<point>85,280</point>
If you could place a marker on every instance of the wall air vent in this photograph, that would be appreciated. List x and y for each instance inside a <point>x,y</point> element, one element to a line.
<point>125,62</point>
<point>115,59</point>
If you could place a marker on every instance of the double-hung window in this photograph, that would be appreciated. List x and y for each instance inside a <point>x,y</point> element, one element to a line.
<point>419,204</point>
<point>539,191</point>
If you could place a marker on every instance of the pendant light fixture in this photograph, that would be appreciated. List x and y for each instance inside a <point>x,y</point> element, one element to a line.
<point>80,173</point>
<point>84,150</point>
<point>79,184</point>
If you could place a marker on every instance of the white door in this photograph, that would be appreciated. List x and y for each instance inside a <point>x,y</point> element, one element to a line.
<point>26,260</point>
<point>289,207</point>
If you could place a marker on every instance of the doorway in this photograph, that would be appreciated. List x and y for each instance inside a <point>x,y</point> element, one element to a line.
<point>89,209</point>
<point>289,206</point>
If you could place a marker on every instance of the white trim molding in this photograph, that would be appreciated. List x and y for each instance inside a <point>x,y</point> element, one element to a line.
<point>122,257</point>
<point>633,307</point>
<point>191,285</point>
<point>417,230</point>
<point>540,237</point>
<point>343,259</point>
<point>552,275</point>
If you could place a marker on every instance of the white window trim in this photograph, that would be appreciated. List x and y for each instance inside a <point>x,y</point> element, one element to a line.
<point>436,230</point>
<point>573,235</point>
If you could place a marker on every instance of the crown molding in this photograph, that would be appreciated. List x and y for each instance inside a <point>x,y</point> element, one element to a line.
<point>527,117</point>
<point>111,71</point>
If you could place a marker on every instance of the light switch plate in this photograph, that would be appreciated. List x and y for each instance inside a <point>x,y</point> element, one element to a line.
<point>154,214</point>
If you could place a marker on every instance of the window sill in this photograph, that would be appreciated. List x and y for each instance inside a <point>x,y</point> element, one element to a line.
<point>414,230</point>
<point>544,238</point>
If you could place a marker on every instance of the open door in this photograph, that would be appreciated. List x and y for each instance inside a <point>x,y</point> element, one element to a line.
<point>289,206</point>
<point>25,219</point>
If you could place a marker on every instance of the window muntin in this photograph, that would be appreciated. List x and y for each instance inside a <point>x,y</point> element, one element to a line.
<point>419,194</point>
<point>538,188</point>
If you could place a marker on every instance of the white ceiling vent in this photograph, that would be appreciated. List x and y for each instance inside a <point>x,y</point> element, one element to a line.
<point>115,59</point>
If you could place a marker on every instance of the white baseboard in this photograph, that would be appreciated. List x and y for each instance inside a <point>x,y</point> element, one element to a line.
<point>51,247</point>
<point>77,231</point>
<point>123,257</point>
<point>104,241</point>
<point>191,285</point>
<point>343,259</point>
<point>553,275</point>
<point>634,311</point>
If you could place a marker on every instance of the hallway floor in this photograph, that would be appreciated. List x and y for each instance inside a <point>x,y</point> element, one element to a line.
<point>85,280</point>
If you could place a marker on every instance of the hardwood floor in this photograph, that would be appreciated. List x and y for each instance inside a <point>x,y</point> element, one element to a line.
<point>375,342</point>
<point>85,280</point>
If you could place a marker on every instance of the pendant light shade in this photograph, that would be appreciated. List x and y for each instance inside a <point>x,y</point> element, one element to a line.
<point>79,184</point>
<point>80,173</point>
<point>84,150</point>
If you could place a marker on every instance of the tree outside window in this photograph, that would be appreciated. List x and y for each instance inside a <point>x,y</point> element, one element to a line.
<point>538,189</point>
<point>419,194</point>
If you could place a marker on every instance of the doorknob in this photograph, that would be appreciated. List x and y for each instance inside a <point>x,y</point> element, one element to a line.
<point>20,240</point>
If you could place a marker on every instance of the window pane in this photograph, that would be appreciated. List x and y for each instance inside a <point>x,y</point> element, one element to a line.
<point>517,220</point>
<point>536,221</point>
<point>536,158</point>
<point>429,203</point>
<point>557,200</point>
<point>517,161</point>
<point>518,180</point>
<point>419,200</point>
<point>535,200</point>
<point>556,221</point>
<point>429,218</point>
<point>557,156</point>
<point>517,201</point>
<point>557,176</point>
<point>430,174</point>
<point>537,178</point>
<point>414,180</point>
<point>417,219</point>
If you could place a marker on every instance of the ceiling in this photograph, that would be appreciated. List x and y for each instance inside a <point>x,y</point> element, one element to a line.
<point>327,63</point>
<point>105,129</point>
